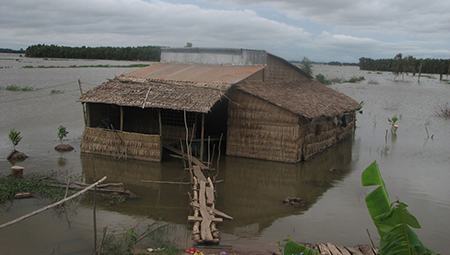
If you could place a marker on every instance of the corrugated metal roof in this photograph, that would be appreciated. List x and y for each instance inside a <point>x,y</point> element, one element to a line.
<point>194,73</point>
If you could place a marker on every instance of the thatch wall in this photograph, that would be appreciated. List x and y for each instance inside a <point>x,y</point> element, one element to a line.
<point>121,144</point>
<point>258,129</point>
<point>322,133</point>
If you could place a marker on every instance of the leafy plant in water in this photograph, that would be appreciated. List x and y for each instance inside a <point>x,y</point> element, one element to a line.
<point>62,133</point>
<point>14,137</point>
<point>393,121</point>
<point>392,220</point>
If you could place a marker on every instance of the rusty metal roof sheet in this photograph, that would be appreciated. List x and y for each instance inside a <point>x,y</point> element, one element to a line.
<point>214,76</point>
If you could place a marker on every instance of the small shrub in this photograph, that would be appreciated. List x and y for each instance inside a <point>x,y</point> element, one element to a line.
<point>62,133</point>
<point>14,137</point>
<point>322,79</point>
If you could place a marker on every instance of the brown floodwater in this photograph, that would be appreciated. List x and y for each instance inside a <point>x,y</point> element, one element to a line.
<point>416,169</point>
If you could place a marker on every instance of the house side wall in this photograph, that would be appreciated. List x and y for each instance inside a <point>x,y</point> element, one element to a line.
<point>120,144</point>
<point>258,129</point>
<point>278,69</point>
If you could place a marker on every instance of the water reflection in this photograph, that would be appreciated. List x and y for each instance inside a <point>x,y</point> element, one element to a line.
<point>252,191</point>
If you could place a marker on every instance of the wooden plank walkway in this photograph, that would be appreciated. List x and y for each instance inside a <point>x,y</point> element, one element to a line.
<point>205,215</point>
<point>333,249</point>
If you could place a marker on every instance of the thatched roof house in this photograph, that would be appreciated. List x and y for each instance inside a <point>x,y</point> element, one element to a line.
<point>265,107</point>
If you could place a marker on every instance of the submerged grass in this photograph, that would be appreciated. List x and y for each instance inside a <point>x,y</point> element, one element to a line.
<point>14,87</point>
<point>443,111</point>
<point>124,242</point>
<point>10,186</point>
<point>56,91</point>
<point>89,66</point>
<point>355,79</point>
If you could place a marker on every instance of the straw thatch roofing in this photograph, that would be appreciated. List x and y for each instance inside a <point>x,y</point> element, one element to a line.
<point>154,94</point>
<point>310,100</point>
<point>194,88</point>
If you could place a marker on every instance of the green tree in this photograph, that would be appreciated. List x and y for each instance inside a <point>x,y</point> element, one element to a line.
<point>306,66</point>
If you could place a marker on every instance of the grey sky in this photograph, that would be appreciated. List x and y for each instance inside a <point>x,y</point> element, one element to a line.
<point>319,29</point>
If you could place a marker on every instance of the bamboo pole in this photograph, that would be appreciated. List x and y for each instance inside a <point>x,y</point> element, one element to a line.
<point>202,137</point>
<point>52,205</point>
<point>94,215</point>
<point>82,104</point>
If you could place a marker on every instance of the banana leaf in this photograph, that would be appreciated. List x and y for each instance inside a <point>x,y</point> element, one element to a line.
<point>293,248</point>
<point>401,240</point>
<point>377,201</point>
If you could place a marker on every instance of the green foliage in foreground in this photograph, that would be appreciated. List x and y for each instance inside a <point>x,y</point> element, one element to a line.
<point>124,242</point>
<point>14,137</point>
<point>10,186</point>
<point>293,248</point>
<point>392,220</point>
<point>14,87</point>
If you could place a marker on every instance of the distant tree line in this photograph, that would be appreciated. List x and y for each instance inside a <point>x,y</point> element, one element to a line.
<point>148,53</point>
<point>3,50</point>
<point>408,64</point>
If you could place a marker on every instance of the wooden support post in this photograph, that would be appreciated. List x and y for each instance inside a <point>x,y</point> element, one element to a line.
<point>160,123</point>
<point>87,115</point>
<point>202,137</point>
<point>121,118</point>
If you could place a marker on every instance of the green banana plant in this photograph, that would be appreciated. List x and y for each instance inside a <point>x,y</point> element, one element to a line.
<point>393,220</point>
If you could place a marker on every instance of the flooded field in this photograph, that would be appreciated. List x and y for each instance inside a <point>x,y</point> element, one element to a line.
<point>415,167</point>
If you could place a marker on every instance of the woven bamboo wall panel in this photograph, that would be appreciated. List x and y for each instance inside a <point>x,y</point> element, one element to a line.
<point>119,144</point>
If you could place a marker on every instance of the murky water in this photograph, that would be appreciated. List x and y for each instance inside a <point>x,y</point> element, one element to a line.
<point>416,169</point>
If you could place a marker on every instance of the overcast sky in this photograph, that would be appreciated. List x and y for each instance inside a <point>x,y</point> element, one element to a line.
<point>322,30</point>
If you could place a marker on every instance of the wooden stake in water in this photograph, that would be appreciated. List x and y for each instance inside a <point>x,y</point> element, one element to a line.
<point>94,214</point>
